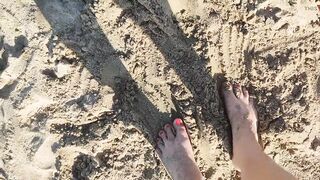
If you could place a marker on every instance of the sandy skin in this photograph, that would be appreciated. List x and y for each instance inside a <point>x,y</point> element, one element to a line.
<point>175,151</point>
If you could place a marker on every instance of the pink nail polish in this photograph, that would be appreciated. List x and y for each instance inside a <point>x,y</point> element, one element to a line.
<point>178,122</point>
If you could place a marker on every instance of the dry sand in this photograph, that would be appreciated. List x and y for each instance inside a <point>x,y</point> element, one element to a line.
<point>86,84</point>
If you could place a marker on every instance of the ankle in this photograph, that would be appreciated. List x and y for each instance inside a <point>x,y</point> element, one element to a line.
<point>192,172</point>
<point>246,154</point>
<point>245,137</point>
<point>245,148</point>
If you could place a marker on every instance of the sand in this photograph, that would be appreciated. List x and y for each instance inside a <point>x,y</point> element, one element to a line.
<point>86,85</point>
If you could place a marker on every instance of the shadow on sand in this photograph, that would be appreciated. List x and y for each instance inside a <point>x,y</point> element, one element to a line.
<point>79,33</point>
<point>158,22</point>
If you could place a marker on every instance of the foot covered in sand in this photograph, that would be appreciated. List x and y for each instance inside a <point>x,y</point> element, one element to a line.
<point>243,119</point>
<point>175,151</point>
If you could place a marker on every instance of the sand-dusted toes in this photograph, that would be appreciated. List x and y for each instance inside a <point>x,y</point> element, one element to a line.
<point>243,120</point>
<point>175,151</point>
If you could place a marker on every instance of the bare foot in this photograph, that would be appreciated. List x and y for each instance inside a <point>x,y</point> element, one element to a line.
<point>248,156</point>
<point>243,119</point>
<point>175,151</point>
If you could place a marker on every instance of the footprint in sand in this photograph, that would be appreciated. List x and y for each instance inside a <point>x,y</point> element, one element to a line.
<point>15,51</point>
<point>11,66</point>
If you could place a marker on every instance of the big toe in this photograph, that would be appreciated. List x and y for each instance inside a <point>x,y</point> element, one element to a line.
<point>228,92</point>
<point>180,128</point>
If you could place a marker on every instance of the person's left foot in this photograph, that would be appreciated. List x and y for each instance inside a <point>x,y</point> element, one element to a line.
<point>175,152</point>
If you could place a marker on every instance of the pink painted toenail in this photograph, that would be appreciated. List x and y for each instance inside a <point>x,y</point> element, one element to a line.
<point>167,126</point>
<point>178,122</point>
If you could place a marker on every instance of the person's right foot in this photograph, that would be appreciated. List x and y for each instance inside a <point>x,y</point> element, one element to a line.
<point>243,120</point>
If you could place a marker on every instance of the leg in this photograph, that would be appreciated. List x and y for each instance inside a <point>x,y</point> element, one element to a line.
<point>175,152</point>
<point>248,156</point>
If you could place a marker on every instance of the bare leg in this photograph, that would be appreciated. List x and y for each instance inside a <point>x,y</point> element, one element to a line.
<point>248,156</point>
<point>175,152</point>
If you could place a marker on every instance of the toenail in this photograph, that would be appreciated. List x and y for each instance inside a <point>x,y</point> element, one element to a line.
<point>161,132</point>
<point>167,126</point>
<point>178,122</point>
<point>237,93</point>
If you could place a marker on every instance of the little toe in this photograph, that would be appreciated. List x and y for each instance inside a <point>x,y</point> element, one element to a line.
<point>160,144</point>
<point>237,90</point>
<point>158,150</point>
<point>180,128</point>
<point>169,132</point>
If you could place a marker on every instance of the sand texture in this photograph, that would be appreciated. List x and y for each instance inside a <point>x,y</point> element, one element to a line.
<point>86,84</point>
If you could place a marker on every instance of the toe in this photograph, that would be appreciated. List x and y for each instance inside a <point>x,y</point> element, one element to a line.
<point>245,94</point>
<point>163,135</point>
<point>237,90</point>
<point>169,132</point>
<point>228,92</point>
<point>160,144</point>
<point>180,128</point>
<point>158,150</point>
